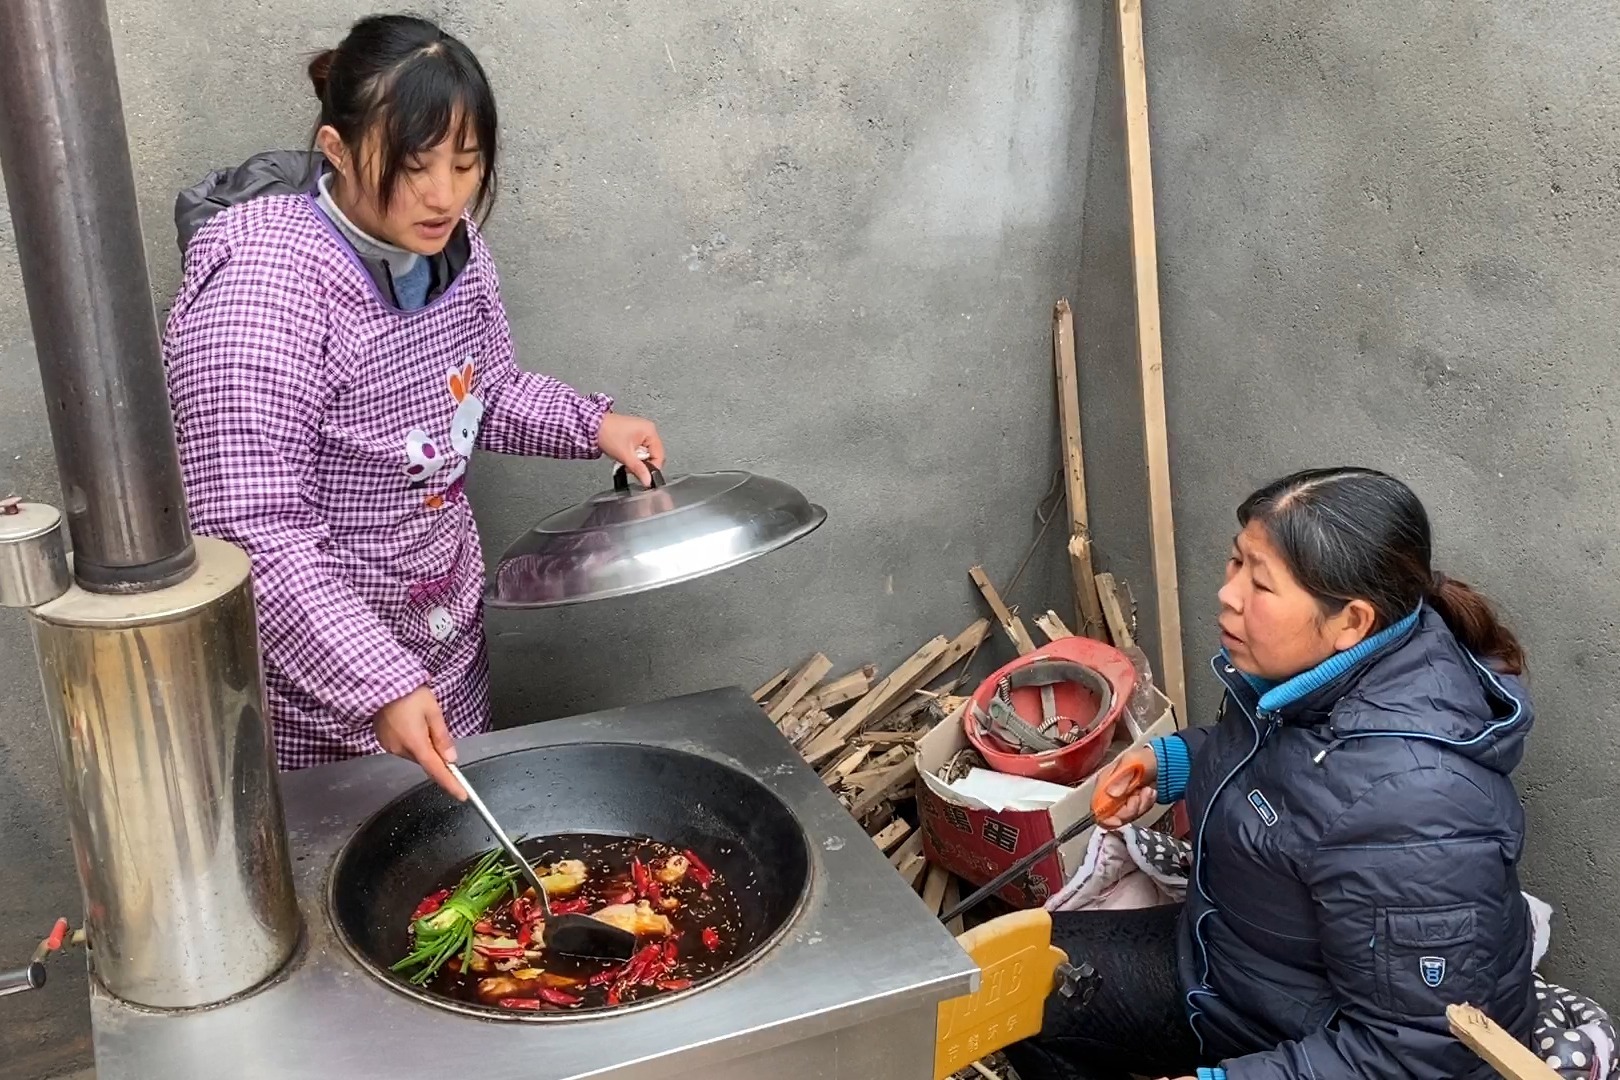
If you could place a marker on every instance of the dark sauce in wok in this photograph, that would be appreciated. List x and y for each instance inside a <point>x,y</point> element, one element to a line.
<point>705,920</point>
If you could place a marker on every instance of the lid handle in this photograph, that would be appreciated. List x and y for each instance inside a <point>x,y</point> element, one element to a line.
<point>621,478</point>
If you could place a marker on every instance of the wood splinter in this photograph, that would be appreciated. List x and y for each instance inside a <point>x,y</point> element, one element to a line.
<point>1500,1050</point>
<point>1086,607</point>
<point>782,702</point>
<point>772,684</point>
<point>1052,626</point>
<point>843,689</point>
<point>1010,623</point>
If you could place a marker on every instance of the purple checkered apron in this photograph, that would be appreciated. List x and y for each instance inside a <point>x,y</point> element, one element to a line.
<point>328,433</point>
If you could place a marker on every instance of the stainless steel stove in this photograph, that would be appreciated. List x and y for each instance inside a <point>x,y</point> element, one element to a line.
<point>849,990</point>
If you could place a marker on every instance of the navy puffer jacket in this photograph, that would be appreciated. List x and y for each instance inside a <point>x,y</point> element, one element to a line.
<point>1356,840</point>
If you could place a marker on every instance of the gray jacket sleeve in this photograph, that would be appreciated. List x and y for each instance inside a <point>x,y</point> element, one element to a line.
<point>1411,884</point>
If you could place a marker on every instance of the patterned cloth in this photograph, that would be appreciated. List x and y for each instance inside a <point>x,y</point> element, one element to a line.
<point>328,433</point>
<point>1144,867</point>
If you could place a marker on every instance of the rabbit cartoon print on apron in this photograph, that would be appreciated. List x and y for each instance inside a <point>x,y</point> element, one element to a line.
<point>425,458</point>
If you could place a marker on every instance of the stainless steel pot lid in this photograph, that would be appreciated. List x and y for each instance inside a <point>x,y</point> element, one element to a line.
<point>631,539</point>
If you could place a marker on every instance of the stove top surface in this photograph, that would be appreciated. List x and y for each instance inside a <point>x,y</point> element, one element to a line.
<point>861,947</point>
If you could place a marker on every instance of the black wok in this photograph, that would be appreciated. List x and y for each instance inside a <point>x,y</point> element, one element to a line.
<point>400,854</point>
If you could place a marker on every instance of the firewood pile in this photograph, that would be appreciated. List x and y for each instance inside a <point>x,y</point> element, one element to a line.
<point>860,732</point>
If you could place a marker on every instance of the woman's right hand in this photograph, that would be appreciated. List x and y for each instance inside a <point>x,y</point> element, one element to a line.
<point>1131,782</point>
<point>413,728</point>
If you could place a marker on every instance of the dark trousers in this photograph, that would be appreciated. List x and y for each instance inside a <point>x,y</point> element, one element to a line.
<point>1136,1022</point>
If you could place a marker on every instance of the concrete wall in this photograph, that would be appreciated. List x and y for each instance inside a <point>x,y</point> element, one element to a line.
<point>1385,237</point>
<point>819,242</point>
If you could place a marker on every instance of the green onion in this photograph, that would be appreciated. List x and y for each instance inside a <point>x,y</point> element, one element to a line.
<point>448,931</point>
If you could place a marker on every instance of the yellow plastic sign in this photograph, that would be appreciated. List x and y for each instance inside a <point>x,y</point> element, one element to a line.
<point>1018,966</point>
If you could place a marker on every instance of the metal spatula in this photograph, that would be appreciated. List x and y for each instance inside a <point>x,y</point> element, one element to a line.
<point>570,935</point>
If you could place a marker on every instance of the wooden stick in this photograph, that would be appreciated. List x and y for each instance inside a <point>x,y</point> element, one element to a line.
<point>912,869</point>
<point>1150,353</point>
<point>892,835</point>
<point>865,778</point>
<point>886,738</point>
<point>1010,623</point>
<point>1499,1049</point>
<point>961,645</point>
<point>813,671</point>
<point>1052,626</point>
<point>878,700</point>
<point>881,787</point>
<point>848,764</point>
<point>771,685</point>
<point>934,890</point>
<point>1114,612</point>
<point>1086,608</point>
<point>918,704</point>
<point>844,688</point>
<point>953,893</point>
<point>815,722</point>
<point>912,846</point>
<point>891,757</point>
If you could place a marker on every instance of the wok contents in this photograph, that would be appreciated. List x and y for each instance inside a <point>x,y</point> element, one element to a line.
<point>480,939</point>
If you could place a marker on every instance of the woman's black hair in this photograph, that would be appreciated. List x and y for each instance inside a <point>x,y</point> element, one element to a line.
<point>1349,533</point>
<point>409,81</point>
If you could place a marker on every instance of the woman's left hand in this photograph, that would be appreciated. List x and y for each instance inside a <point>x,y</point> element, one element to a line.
<point>621,436</point>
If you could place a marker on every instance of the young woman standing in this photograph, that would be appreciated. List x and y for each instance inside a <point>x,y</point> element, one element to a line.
<point>1356,835</point>
<point>336,353</point>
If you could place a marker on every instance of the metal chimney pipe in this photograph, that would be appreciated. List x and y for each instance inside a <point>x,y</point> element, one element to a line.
<point>150,664</point>
<point>65,155</point>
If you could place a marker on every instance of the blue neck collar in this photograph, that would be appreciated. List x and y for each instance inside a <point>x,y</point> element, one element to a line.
<point>1275,696</point>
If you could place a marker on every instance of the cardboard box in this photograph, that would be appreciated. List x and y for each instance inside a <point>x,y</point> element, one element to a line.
<point>976,844</point>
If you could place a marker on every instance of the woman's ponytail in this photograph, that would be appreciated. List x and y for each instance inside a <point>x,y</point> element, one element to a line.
<point>1474,622</point>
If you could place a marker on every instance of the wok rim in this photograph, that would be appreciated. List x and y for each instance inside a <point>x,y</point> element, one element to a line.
<point>486,1012</point>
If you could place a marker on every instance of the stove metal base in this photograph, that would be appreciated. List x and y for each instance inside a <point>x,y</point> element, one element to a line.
<point>850,993</point>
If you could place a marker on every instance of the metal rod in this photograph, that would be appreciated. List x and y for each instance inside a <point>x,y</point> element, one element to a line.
<point>65,155</point>
<point>31,977</point>
<point>501,838</point>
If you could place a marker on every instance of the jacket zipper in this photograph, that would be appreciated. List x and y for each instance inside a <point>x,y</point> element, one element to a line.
<point>1260,736</point>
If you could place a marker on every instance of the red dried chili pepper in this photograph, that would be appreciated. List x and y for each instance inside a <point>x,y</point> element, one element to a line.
<point>652,965</point>
<point>430,903</point>
<point>525,933</point>
<point>670,953</point>
<point>602,978</point>
<point>612,995</point>
<point>638,874</point>
<point>626,897</point>
<point>698,869</point>
<point>485,927</point>
<point>711,938</point>
<point>647,961</point>
<point>654,893</point>
<point>559,997</point>
<point>526,1004</point>
<point>569,907</point>
<point>674,984</point>
<point>522,909</point>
